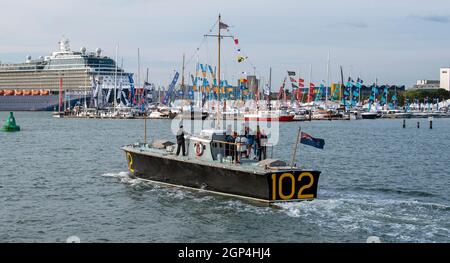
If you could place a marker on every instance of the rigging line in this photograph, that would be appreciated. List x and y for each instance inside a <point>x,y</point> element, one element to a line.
<point>232,34</point>
<point>201,44</point>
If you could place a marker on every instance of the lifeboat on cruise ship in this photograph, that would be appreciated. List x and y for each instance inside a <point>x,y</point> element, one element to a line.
<point>35,93</point>
<point>27,92</point>
<point>8,92</point>
<point>45,92</point>
<point>1,92</point>
<point>18,93</point>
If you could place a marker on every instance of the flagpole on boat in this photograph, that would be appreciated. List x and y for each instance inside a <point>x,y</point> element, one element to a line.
<point>140,99</point>
<point>294,153</point>
<point>218,76</point>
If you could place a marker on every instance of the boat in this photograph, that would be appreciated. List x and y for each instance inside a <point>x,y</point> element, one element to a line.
<point>26,93</point>
<point>206,168</point>
<point>395,114</point>
<point>322,115</point>
<point>210,166</point>
<point>276,115</point>
<point>35,93</point>
<point>10,124</point>
<point>86,75</point>
<point>192,113</point>
<point>8,93</point>
<point>162,113</point>
<point>44,92</point>
<point>369,115</point>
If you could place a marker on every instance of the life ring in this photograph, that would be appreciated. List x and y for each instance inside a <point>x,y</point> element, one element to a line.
<point>199,149</point>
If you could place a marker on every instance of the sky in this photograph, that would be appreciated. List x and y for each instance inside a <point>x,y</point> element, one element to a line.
<point>396,42</point>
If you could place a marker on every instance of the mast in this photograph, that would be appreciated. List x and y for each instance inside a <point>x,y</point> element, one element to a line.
<point>182,77</point>
<point>139,81</point>
<point>115,78</point>
<point>270,87</point>
<point>310,82</point>
<point>360,89</point>
<point>328,77</point>
<point>218,71</point>
<point>342,86</point>
<point>139,75</point>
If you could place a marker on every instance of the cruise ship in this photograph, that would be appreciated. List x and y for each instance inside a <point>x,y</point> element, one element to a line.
<point>65,77</point>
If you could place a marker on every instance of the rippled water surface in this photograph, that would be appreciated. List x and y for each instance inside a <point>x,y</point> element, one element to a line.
<point>60,178</point>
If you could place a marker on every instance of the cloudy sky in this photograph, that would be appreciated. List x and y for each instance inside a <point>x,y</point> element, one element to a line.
<point>397,42</point>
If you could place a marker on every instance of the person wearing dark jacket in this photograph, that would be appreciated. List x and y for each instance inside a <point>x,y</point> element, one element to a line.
<point>181,141</point>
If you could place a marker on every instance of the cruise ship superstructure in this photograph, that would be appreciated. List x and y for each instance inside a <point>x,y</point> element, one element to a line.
<point>84,77</point>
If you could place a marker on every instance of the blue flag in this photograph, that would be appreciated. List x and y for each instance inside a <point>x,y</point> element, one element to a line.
<point>314,142</point>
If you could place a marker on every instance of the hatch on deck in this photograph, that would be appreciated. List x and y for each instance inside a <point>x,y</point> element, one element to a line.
<point>162,144</point>
<point>272,163</point>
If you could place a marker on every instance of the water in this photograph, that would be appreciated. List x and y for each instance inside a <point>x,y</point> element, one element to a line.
<point>60,178</point>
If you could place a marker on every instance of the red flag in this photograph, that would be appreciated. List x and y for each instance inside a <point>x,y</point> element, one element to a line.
<point>236,41</point>
<point>299,94</point>
<point>311,92</point>
<point>301,83</point>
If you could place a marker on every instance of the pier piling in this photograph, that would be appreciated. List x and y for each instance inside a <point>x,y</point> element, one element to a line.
<point>431,122</point>
<point>418,125</point>
<point>404,123</point>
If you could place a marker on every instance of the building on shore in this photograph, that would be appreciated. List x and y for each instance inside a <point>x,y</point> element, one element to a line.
<point>445,78</point>
<point>427,84</point>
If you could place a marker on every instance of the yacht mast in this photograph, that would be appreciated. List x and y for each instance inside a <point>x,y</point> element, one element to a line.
<point>139,75</point>
<point>182,77</point>
<point>328,78</point>
<point>115,78</point>
<point>310,83</point>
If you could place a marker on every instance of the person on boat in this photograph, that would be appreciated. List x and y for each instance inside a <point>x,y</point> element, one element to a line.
<point>228,140</point>
<point>234,147</point>
<point>243,148</point>
<point>250,141</point>
<point>259,143</point>
<point>181,141</point>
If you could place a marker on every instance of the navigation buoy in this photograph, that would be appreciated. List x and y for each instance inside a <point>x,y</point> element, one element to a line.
<point>10,124</point>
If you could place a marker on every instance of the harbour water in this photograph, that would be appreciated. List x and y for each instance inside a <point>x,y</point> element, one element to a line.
<point>61,178</point>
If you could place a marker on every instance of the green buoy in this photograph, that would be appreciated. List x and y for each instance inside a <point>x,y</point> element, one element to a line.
<point>10,124</point>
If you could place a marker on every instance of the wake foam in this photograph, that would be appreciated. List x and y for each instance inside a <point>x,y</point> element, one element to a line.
<point>124,178</point>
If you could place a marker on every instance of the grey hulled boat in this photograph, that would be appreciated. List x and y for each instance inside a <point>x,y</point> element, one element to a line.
<point>208,168</point>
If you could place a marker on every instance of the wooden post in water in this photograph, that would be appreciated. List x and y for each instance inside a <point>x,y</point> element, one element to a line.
<point>418,125</point>
<point>431,122</point>
<point>404,123</point>
<point>296,145</point>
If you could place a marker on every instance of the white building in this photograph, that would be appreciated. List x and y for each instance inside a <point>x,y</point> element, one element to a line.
<point>427,84</point>
<point>445,78</point>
